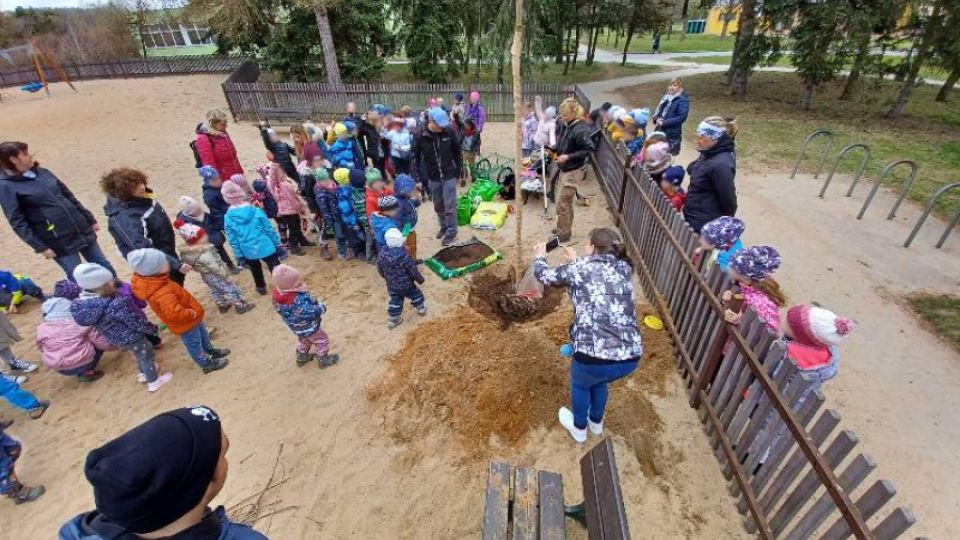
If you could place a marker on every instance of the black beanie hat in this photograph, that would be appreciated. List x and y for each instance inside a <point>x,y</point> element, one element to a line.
<point>155,473</point>
<point>358,179</point>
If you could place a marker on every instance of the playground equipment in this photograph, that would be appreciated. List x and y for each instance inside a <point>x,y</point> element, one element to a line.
<point>876,186</point>
<point>823,154</point>
<point>41,61</point>
<point>856,177</point>
<point>926,213</point>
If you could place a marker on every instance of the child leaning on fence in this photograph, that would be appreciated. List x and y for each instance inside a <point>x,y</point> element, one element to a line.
<point>721,237</point>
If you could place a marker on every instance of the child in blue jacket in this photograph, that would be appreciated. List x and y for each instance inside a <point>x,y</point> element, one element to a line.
<point>384,219</point>
<point>13,287</point>
<point>325,199</point>
<point>722,235</point>
<point>251,235</point>
<point>405,188</point>
<point>302,313</point>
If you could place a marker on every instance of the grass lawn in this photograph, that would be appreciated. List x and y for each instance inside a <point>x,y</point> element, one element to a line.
<point>183,51</point>
<point>942,312</point>
<point>927,72</point>
<point>693,43</point>
<point>551,73</point>
<point>772,127</point>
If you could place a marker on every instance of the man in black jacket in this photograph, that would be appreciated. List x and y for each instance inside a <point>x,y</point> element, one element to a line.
<point>369,138</point>
<point>574,146</point>
<point>437,154</point>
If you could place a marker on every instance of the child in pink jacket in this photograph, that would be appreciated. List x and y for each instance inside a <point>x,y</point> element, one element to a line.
<point>67,347</point>
<point>291,209</point>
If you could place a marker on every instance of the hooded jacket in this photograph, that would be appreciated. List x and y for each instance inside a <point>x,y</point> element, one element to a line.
<point>345,153</point>
<point>216,204</point>
<point>325,195</point>
<point>214,526</point>
<point>250,233</point>
<point>176,307</point>
<point>438,155</point>
<point>712,192</point>
<point>45,214</point>
<point>300,311</point>
<point>141,223</point>
<point>398,269</point>
<point>217,150</point>
<point>286,193</point>
<point>574,140</point>
<point>115,317</point>
<point>63,343</point>
<point>381,223</point>
<point>371,199</point>
<point>674,114</point>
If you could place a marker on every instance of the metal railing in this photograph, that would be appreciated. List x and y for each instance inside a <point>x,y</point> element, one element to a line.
<point>926,213</point>
<point>823,153</point>
<point>876,186</point>
<point>836,164</point>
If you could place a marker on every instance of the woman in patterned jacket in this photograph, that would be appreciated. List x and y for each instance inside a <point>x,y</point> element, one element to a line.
<point>605,334</point>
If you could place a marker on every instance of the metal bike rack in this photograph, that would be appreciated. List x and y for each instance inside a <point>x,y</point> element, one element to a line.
<point>876,186</point>
<point>926,213</point>
<point>823,154</point>
<point>863,166</point>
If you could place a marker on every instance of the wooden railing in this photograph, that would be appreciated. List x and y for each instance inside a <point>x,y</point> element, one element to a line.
<point>761,414</point>
<point>127,68</point>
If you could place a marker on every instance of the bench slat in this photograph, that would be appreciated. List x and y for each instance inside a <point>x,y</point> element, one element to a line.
<point>525,499</point>
<point>497,503</point>
<point>606,518</point>
<point>552,525</point>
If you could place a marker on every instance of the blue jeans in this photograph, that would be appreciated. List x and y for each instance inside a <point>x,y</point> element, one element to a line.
<point>588,388</point>
<point>197,342</point>
<point>445,204</point>
<point>395,307</point>
<point>91,254</point>
<point>16,396</point>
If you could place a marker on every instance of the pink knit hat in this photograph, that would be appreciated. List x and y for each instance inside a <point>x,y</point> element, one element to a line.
<point>657,152</point>
<point>818,327</point>
<point>288,279</point>
<point>233,194</point>
<point>474,96</point>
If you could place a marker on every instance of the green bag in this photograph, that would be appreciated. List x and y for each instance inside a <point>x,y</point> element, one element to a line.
<point>439,266</point>
<point>464,210</point>
<point>487,190</point>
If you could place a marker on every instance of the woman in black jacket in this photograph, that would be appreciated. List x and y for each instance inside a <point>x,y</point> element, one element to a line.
<point>713,191</point>
<point>44,212</point>
<point>136,220</point>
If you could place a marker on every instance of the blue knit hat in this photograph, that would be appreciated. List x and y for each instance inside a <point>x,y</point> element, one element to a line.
<point>358,178</point>
<point>723,232</point>
<point>756,262</point>
<point>404,184</point>
<point>387,203</point>
<point>674,175</point>
<point>207,172</point>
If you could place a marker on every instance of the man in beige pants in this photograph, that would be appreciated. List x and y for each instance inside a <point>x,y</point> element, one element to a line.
<point>574,146</point>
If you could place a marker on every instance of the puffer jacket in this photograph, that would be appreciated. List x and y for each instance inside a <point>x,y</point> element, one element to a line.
<point>141,223</point>
<point>94,526</point>
<point>215,236</point>
<point>283,154</point>
<point>217,205</point>
<point>217,150</point>
<point>344,153</point>
<point>300,311</point>
<point>115,317</point>
<point>398,269</point>
<point>263,199</point>
<point>407,216</point>
<point>63,343</point>
<point>286,193</point>
<point>176,307</point>
<point>44,212</point>
<point>250,233</point>
<point>205,260</point>
<point>325,195</point>
<point>601,290</point>
<point>438,155</point>
<point>673,113</point>
<point>348,211</point>
<point>380,224</point>
<point>574,141</point>
<point>713,191</point>
<point>372,200</point>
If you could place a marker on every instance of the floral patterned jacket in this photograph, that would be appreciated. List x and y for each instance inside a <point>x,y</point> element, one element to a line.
<point>601,289</point>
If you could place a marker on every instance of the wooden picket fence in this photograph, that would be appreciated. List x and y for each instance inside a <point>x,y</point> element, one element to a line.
<point>795,472</point>
<point>323,102</point>
<point>128,68</point>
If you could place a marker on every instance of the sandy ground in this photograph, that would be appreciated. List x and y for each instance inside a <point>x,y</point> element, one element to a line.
<point>898,387</point>
<point>339,473</point>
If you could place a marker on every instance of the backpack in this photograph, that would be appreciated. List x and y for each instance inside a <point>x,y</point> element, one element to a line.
<point>196,154</point>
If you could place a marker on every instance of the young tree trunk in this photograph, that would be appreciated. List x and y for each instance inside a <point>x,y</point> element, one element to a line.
<point>726,25</point>
<point>476,71</point>
<point>518,122</point>
<point>566,42</point>
<point>924,52</point>
<point>616,38</point>
<point>683,19</point>
<point>576,43</point>
<point>631,28</point>
<point>669,26</point>
<point>500,61</point>
<point>948,85</point>
<point>326,42</point>
<point>739,66</point>
<point>806,97</point>
<point>863,50</point>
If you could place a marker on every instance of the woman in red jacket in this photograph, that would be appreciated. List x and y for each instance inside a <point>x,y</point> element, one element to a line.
<point>215,147</point>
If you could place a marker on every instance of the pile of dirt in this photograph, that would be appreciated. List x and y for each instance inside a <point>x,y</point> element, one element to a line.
<point>460,256</point>
<point>491,387</point>
<point>494,295</point>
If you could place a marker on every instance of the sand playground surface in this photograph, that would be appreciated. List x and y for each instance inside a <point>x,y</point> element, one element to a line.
<point>393,442</point>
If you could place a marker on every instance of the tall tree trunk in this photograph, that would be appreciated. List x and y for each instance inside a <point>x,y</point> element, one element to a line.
<point>863,50</point>
<point>670,26</point>
<point>500,62</point>
<point>476,71</point>
<point>948,85</point>
<point>576,43</point>
<point>924,52</point>
<point>631,28</point>
<point>806,97</point>
<point>326,42</point>
<point>683,19</point>
<point>739,66</point>
<point>518,123</point>
<point>616,38</point>
<point>591,35</point>
<point>566,43</point>
<point>726,24</point>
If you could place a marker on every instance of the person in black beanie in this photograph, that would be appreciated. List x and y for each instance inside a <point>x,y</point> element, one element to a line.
<point>156,480</point>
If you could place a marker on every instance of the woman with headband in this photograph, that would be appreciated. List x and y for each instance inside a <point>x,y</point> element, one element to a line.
<point>713,191</point>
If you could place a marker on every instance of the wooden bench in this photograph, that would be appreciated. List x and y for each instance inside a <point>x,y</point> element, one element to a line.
<point>285,113</point>
<point>524,503</point>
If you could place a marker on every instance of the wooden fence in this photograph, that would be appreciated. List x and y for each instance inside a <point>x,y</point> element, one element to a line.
<point>322,101</point>
<point>123,69</point>
<point>795,471</point>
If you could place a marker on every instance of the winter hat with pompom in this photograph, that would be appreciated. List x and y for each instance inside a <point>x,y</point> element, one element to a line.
<point>190,233</point>
<point>67,289</point>
<point>404,184</point>
<point>756,262</point>
<point>818,327</point>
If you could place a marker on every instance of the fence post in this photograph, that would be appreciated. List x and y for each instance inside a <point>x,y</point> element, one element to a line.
<point>712,364</point>
<point>623,187</point>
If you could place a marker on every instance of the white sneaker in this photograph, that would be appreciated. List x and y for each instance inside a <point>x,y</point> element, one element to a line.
<point>22,366</point>
<point>141,378</point>
<point>161,380</point>
<point>19,379</point>
<point>422,310</point>
<point>596,429</point>
<point>566,420</point>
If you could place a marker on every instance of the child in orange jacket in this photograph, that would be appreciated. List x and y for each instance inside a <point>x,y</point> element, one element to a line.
<point>175,307</point>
